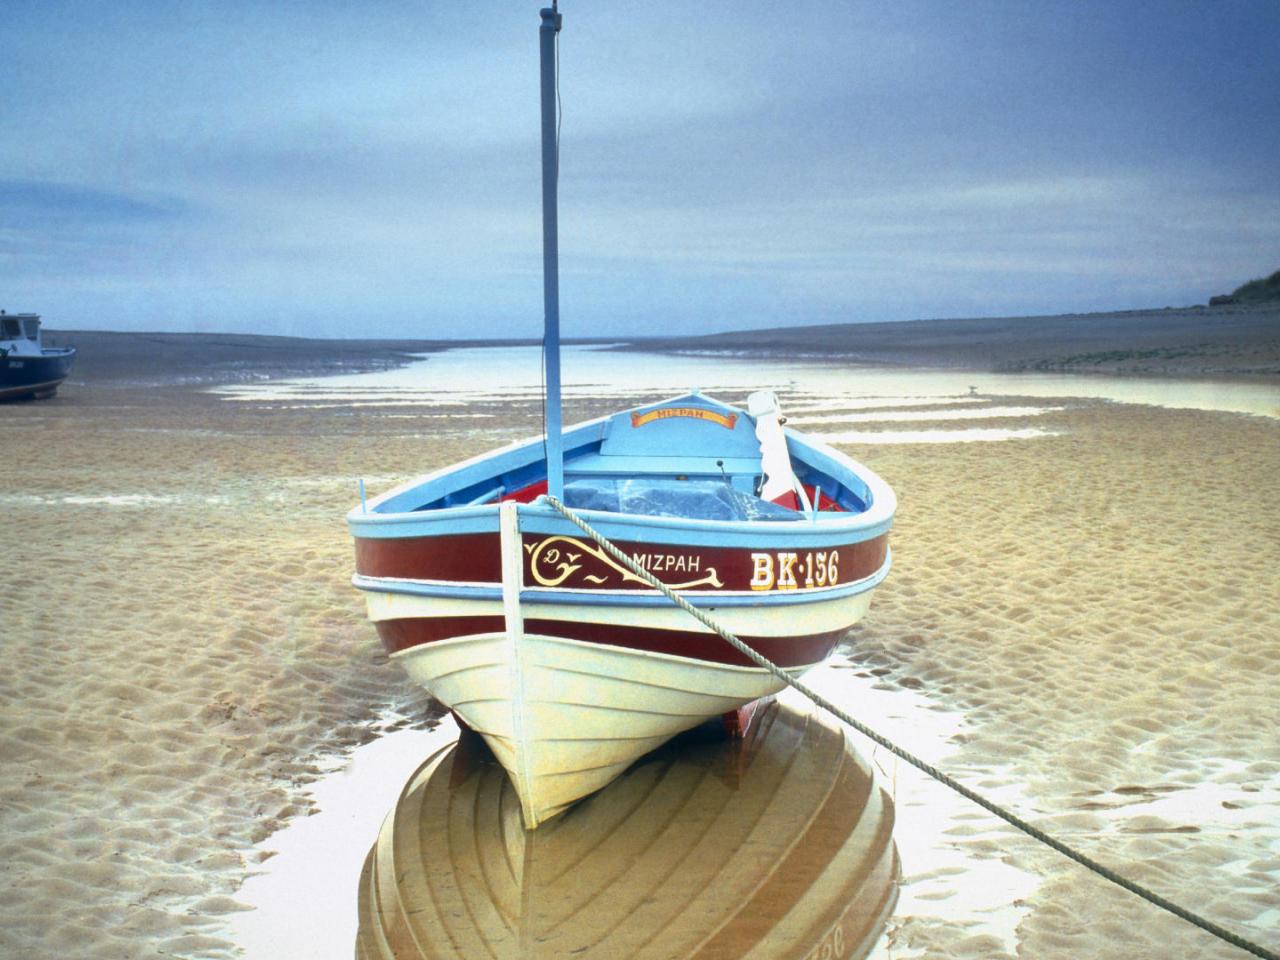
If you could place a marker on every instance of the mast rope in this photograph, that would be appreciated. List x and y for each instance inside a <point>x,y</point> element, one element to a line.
<point>1032,831</point>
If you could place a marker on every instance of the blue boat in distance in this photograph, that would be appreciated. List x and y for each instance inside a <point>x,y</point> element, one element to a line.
<point>28,369</point>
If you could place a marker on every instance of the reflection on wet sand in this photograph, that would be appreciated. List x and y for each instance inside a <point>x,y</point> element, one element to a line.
<point>777,846</point>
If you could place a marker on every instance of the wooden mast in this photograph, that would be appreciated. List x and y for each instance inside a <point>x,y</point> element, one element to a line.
<point>550,254</point>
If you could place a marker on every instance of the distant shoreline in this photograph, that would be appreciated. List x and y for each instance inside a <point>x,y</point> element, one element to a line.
<point>1237,341</point>
<point>1232,341</point>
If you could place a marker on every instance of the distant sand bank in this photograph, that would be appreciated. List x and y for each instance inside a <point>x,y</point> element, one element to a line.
<point>1223,341</point>
<point>108,357</point>
<point>182,642</point>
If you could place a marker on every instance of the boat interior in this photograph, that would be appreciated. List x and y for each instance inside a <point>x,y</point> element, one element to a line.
<point>689,457</point>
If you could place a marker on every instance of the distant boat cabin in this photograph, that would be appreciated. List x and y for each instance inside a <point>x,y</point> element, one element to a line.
<point>19,326</point>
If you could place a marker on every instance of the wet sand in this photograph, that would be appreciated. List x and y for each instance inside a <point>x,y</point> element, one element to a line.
<point>1101,606</point>
<point>106,357</point>
<point>184,649</point>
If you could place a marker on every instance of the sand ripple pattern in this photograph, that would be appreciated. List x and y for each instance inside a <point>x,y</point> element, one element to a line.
<point>1099,603</point>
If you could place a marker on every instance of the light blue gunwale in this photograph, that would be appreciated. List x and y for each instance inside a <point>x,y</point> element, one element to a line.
<point>392,515</point>
<point>598,598</point>
<point>831,530</point>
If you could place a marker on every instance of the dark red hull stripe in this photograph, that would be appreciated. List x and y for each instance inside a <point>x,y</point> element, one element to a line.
<point>578,564</point>
<point>784,651</point>
<point>462,558</point>
<point>398,635</point>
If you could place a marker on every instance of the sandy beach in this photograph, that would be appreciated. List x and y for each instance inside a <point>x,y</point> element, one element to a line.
<point>184,647</point>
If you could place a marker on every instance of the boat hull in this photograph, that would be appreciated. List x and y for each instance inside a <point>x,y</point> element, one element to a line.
<point>569,669</point>
<point>562,655</point>
<point>24,377</point>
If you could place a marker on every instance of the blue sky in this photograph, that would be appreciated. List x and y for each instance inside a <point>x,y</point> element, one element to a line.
<point>337,168</point>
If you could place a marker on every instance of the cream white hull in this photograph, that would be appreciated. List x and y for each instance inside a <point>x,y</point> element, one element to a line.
<point>564,717</point>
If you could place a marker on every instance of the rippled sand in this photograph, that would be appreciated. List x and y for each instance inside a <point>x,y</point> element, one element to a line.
<point>180,633</point>
<point>182,643</point>
<point>1102,606</point>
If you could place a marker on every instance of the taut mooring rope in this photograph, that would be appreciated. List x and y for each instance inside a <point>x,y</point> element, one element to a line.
<point>1035,832</point>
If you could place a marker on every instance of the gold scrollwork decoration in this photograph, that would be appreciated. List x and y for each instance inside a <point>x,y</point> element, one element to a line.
<point>554,560</point>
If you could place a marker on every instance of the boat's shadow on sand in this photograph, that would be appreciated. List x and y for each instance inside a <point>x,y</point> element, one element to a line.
<point>777,846</point>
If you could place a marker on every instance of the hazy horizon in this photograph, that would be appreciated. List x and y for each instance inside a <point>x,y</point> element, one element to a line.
<point>327,171</point>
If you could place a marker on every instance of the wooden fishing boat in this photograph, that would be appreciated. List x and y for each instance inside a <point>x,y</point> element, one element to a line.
<point>568,663</point>
<point>777,846</point>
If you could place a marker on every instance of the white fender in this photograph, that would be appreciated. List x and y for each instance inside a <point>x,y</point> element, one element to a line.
<point>775,461</point>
